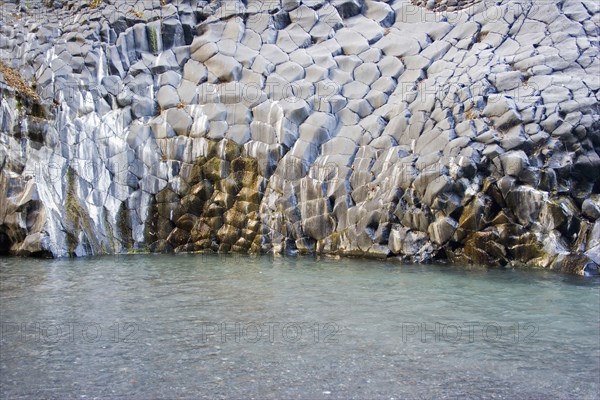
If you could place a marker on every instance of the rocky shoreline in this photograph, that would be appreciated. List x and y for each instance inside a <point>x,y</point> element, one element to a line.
<point>466,131</point>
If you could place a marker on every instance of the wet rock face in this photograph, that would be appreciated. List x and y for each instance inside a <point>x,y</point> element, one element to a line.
<point>460,130</point>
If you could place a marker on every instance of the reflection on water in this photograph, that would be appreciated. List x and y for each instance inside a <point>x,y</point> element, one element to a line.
<point>199,326</point>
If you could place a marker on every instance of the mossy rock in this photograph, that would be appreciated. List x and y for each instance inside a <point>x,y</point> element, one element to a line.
<point>182,188</point>
<point>124,232</point>
<point>228,234</point>
<point>203,189</point>
<point>246,178</point>
<point>224,148</point>
<point>195,172</point>
<point>572,221</point>
<point>200,232</point>
<point>192,204</point>
<point>253,225</point>
<point>78,220</point>
<point>212,149</point>
<point>230,149</point>
<point>235,218</point>
<point>224,248</point>
<point>248,234</point>
<point>257,246</point>
<point>229,185</point>
<point>241,246</point>
<point>305,245</point>
<point>501,218</point>
<point>329,244</point>
<point>490,188</point>
<point>214,210</point>
<point>485,248</point>
<point>243,164</point>
<point>165,226</point>
<point>160,246</point>
<point>157,227</point>
<point>187,222</point>
<point>215,169</point>
<point>214,222</point>
<point>167,196</point>
<point>202,245</point>
<point>579,264</point>
<point>223,199</point>
<point>475,213</point>
<point>554,216</point>
<point>526,247</point>
<point>509,233</point>
<point>246,207</point>
<point>178,237</point>
<point>186,248</point>
<point>169,211</point>
<point>249,195</point>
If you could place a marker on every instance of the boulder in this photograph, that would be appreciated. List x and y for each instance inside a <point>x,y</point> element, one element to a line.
<point>224,68</point>
<point>591,207</point>
<point>526,203</point>
<point>348,8</point>
<point>442,230</point>
<point>319,226</point>
<point>167,97</point>
<point>513,162</point>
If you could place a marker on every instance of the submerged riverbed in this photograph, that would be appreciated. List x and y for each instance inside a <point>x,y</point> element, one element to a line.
<point>209,326</point>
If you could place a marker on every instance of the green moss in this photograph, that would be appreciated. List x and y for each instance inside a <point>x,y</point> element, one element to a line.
<point>123,228</point>
<point>73,211</point>
<point>232,150</point>
<point>95,3</point>
<point>109,232</point>
<point>215,169</point>
<point>151,226</point>
<point>77,219</point>
<point>153,36</point>
<point>245,164</point>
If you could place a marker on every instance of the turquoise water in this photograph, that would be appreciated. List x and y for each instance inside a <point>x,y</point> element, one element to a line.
<point>198,326</point>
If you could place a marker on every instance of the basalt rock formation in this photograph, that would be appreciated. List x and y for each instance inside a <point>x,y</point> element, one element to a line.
<point>453,130</point>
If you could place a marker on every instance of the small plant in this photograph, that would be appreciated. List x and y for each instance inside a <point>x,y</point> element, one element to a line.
<point>14,79</point>
<point>470,114</point>
<point>95,3</point>
<point>138,14</point>
<point>153,40</point>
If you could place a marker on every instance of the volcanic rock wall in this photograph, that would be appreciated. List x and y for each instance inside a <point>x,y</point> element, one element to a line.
<point>460,130</point>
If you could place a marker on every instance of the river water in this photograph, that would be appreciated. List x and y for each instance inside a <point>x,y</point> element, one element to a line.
<point>209,326</point>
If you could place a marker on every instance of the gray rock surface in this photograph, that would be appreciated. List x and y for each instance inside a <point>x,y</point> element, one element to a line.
<point>422,130</point>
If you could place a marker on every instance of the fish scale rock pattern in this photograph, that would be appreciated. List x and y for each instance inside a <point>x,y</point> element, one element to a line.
<point>453,130</point>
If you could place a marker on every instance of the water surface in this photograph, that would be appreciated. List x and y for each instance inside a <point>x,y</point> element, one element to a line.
<point>199,326</point>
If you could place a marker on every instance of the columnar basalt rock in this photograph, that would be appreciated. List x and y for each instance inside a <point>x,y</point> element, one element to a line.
<point>466,131</point>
